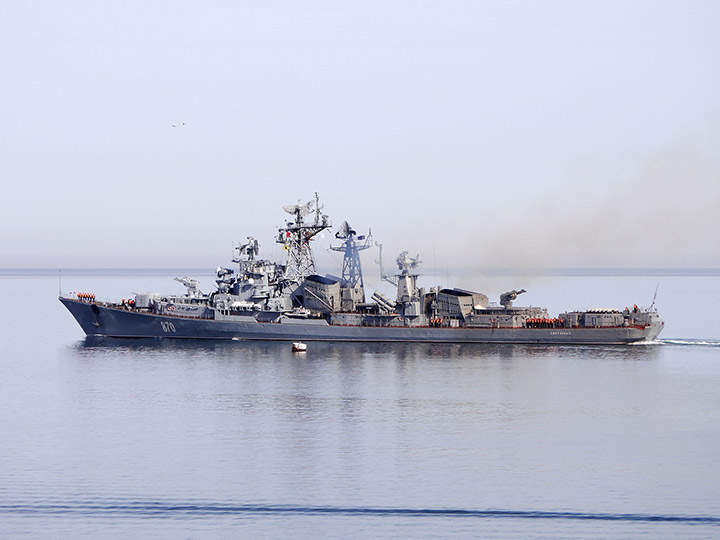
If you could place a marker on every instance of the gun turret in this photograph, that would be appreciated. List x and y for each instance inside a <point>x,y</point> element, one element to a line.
<point>506,299</point>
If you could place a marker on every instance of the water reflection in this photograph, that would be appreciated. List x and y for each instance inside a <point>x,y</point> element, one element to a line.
<point>401,383</point>
<point>337,351</point>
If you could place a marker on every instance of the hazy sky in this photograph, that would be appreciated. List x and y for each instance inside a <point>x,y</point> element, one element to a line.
<point>553,133</point>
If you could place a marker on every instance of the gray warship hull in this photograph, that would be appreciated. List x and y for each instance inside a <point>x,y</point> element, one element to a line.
<point>97,319</point>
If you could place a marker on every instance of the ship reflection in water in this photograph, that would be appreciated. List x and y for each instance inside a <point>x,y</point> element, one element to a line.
<point>333,351</point>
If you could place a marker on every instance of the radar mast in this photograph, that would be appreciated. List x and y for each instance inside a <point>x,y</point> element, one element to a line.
<point>352,270</point>
<point>296,237</point>
<point>352,288</point>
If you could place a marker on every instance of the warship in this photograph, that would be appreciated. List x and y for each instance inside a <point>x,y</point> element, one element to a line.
<point>261,299</point>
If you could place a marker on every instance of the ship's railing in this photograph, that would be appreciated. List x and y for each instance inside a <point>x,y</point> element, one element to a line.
<point>89,298</point>
<point>178,316</point>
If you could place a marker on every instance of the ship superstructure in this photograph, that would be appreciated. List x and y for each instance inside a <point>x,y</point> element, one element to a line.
<point>263,299</point>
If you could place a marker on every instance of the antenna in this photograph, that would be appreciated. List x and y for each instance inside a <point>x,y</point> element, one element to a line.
<point>59,282</point>
<point>654,297</point>
<point>383,276</point>
<point>318,207</point>
<point>435,279</point>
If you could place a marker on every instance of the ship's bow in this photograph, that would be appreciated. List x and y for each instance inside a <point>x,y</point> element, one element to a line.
<point>87,315</point>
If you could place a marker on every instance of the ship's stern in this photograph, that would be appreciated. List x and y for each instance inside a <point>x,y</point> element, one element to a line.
<point>653,326</point>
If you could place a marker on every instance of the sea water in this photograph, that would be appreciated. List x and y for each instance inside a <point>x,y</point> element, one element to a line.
<point>192,439</point>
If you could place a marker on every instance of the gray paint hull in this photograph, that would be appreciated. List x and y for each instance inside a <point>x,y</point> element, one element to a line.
<point>98,320</point>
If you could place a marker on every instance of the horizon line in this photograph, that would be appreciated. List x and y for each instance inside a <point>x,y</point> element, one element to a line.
<point>514,270</point>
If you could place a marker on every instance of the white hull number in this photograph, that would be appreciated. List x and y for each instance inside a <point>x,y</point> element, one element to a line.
<point>167,326</point>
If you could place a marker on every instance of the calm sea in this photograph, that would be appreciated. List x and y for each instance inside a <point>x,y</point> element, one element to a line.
<point>161,439</point>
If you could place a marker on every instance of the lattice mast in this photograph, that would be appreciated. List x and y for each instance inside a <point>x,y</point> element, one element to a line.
<point>352,269</point>
<point>296,237</point>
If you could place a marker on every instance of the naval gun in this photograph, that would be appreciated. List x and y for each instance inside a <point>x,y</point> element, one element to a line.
<point>506,299</point>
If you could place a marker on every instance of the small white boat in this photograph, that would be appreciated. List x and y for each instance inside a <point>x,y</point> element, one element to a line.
<point>299,346</point>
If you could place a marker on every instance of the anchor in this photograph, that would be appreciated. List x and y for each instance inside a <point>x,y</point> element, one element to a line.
<point>96,311</point>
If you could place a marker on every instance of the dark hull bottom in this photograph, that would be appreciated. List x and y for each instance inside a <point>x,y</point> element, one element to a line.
<point>97,320</point>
